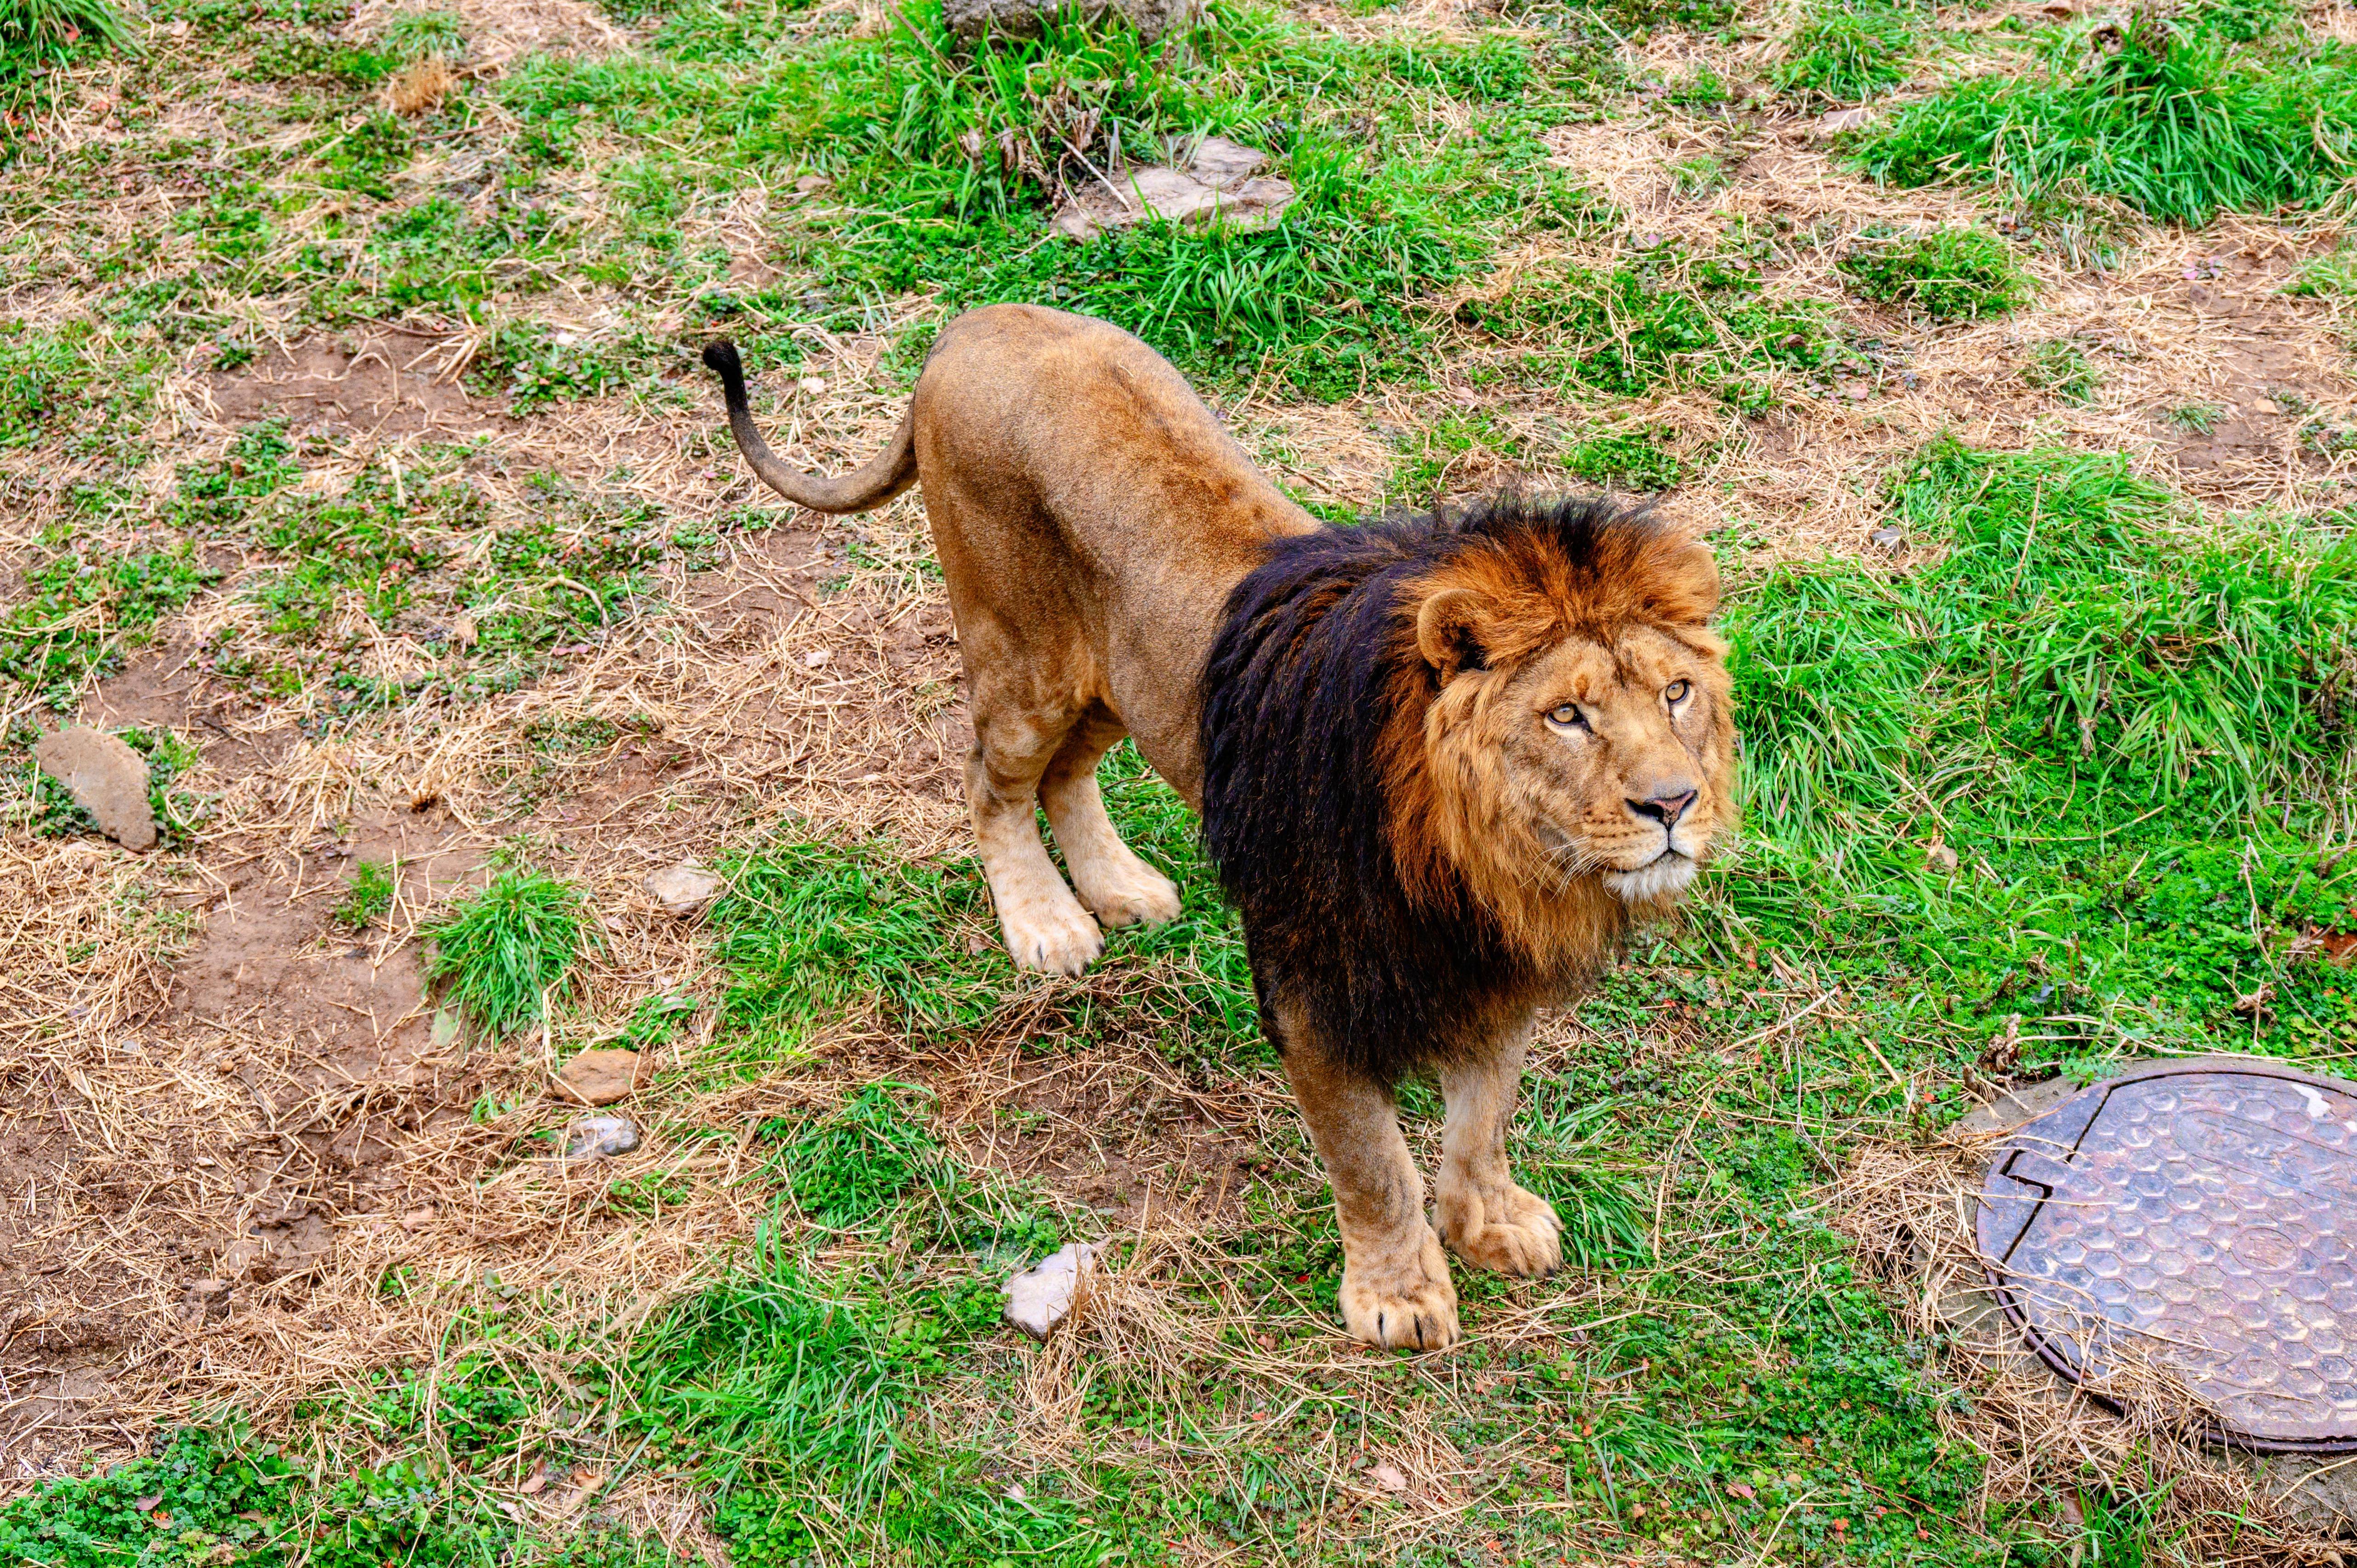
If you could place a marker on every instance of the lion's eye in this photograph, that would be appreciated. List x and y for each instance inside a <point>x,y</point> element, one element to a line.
<point>1675,691</point>
<point>1568,716</point>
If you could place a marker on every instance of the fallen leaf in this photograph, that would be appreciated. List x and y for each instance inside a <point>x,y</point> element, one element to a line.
<point>147,1504</point>
<point>1736,1488</point>
<point>1939,857</point>
<point>1384,1476</point>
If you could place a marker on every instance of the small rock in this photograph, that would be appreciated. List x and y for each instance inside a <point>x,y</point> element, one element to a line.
<point>2266,405</point>
<point>816,657</point>
<point>1939,857</point>
<point>1385,1477</point>
<point>812,184</point>
<point>106,779</point>
<point>1041,1296</point>
<point>600,1137</point>
<point>814,385</point>
<point>1841,120</point>
<point>682,889</point>
<point>599,1078</point>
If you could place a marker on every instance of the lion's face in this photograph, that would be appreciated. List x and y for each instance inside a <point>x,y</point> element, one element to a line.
<point>1607,757</point>
<point>1578,741</point>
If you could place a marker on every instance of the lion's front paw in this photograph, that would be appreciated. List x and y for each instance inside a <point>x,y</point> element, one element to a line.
<point>1403,1303</point>
<point>1056,936</point>
<point>1131,895</point>
<point>1504,1227</point>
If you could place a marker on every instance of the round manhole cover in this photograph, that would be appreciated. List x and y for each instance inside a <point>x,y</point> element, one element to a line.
<point>2204,1212</point>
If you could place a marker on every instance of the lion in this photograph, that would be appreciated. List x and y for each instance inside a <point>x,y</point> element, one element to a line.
<point>1442,764</point>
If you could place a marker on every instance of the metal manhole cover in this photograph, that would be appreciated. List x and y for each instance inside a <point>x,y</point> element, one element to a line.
<point>2205,1209</point>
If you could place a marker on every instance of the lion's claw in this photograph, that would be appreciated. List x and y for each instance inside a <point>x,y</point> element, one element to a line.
<point>1403,1302</point>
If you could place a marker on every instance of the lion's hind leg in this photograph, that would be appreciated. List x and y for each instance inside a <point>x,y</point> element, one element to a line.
<point>1485,1217</point>
<point>1045,927</point>
<point>1120,888</point>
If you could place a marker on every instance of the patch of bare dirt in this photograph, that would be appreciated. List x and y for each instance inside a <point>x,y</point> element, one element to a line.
<point>378,380</point>
<point>1116,1129</point>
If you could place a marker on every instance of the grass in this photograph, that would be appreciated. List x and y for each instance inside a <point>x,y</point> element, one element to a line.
<point>1946,274</point>
<point>1670,318</point>
<point>811,928</point>
<point>506,952</point>
<point>368,896</point>
<point>2061,366</point>
<point>35,33</point>
<point>1847,53</point>
<point>1629,459</point>
<point>2172,119</point>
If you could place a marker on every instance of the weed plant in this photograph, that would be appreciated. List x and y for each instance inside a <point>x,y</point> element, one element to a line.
<point>506,951</point>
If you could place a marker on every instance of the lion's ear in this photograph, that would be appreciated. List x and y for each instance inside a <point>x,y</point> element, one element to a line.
<point>1448,630</point>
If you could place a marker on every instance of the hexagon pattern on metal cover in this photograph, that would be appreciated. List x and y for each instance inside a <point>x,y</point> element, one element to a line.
<point>2207,1209</point>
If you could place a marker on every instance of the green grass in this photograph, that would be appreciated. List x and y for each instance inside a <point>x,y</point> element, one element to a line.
<point>2176,122</point>
<point>1844,53</point>
<point>2197,418</point>
<point>2072,672</point>
<point>854,1165</point>
<point>414,35</point>
<point>1628,460</point>
<point>80,609</point>
<point>811,928</point>
<point>1669,318</point>
<point>506,951</point>
<point>2330,275</point>
<point>37,33</point>
<point>2061,366</point>
<point>1947,274</point>
<point>368,896</point>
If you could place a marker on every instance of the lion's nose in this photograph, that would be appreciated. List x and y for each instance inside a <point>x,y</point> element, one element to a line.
<point>1667,807</point>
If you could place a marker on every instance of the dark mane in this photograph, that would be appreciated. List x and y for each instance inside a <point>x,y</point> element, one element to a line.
<point>1313,714</point>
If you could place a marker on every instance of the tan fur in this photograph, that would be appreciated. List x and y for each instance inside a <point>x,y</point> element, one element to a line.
<point>1091,516</point>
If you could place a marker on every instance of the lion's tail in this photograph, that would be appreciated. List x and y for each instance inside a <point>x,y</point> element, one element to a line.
<point>888,473</point>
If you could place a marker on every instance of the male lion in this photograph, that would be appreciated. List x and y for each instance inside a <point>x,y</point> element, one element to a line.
<point>1441,764</point>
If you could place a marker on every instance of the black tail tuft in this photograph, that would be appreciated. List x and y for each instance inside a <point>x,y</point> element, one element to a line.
<point>720,355</point>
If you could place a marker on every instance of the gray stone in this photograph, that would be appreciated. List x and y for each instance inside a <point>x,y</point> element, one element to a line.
<point>1841,120</point>
<point>1217,186</point>
<point>1042,1296</point>
<point>106,779</point>
<point>682,889</point>
<point>1022,18</point>
<point>600,1137</point>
